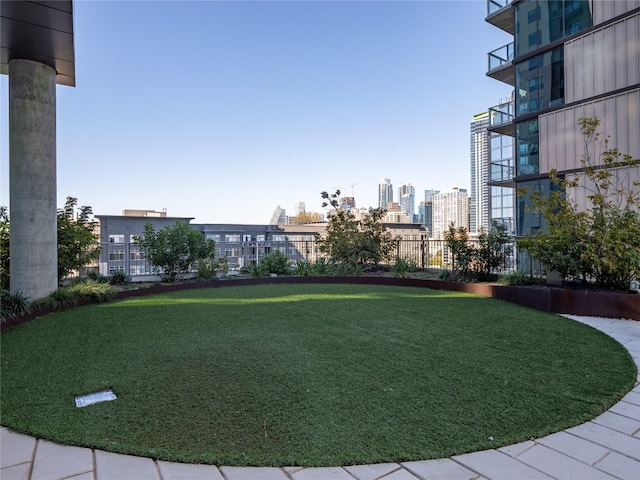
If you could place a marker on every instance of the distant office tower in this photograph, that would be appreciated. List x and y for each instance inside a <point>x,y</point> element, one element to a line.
<point>407,199</point>
<point>279,216</point>
<point>347,203</point>
<point>385,193</point>
<point>425,211</point>
<point>450,207</point>
<point>479,200</point>
<point>300,207</point>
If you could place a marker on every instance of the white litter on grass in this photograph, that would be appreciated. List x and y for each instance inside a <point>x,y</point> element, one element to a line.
<point>91,398</point>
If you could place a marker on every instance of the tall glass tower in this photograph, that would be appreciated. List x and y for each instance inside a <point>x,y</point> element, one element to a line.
<point>385,193</point>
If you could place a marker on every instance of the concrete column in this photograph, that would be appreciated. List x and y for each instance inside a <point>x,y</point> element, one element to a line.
<point>32,178</point>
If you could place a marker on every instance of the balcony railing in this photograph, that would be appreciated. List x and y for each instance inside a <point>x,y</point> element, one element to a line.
<point>501,119</point>
<point>500,15</point>
<point>501,56</point>
<point>501,64</point>
<point>495,5</point>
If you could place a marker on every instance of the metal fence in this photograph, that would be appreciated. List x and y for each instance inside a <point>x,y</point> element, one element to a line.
<point>424,254</point>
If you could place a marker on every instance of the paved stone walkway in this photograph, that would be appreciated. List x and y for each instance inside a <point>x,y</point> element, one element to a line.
<point>608,447</point>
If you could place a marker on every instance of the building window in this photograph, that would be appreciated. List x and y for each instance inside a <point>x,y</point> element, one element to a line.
<point>246,238</point>
<point>260,238</point>
<point>527,154</point>
<point>549,21</point>
<point>278,238</point>
<point>135,255</point>
<point>542,86</point>
<point>232,252</point>
<point>115,269</point>
<point>116,256</point>
<point>116,238</point>
<point>212,236</point>
<point>232,238</point>
<point>529,222</point>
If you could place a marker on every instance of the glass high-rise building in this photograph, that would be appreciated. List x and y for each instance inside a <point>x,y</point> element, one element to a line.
<point>569,59</point>
<point>407,200</point>
<point>450,207</point>
<point>385,193</point>
<point>479,155</point>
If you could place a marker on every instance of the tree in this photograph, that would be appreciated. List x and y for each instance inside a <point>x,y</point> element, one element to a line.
<point>78,241</point>
<point>306,217</point>
<point>355,242</point>
<point>601,241</point>
<point>4,249</point>
<point>173,250</point>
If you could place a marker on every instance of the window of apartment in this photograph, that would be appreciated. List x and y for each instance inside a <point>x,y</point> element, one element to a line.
<point>528,221</point>
<point>232,238</point>
<point>135,255</point>
<point>246,238</point>
<point>540,82</point>
<point>116,238</point>
<point>137,269</point>
<point>527,154</point>
<point>232,252</point>
<point>213,236</point>
<point>116,256</point>
<point>278,238</point>
<point>260,238</point>
<point>541,22</point>
<point>115,269</point>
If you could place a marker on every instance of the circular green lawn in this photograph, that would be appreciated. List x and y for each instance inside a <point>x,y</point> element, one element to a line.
<point>310,375</point>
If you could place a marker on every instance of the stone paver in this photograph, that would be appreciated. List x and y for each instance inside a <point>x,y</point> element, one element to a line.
<point>372,472</point>
<point>616,441</point>
<point>113,466</point>
<point>443,469</point>
<point>551,462</point>
<point>15,448</point>
<point>605,448</point>
<point>181,471</point>
<point>252,473</point>
<point>574,447</point>
<point>620,423</point>
<point>620,466</point>
<point>53,461</point>
<point>335,473</point>
<point>499,466</point>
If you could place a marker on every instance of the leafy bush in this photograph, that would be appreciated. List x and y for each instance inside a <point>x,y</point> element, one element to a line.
<point>445,275</point>
<point>207,268</point>
<point>79,293</point>
<point>320,267</point>
<point>97,277</point>
<point>355,242</point>
<point>13,304</point>
<point>119,278</point>
<point>302,269</point>
<point>515,278</point>
<point>174,249</point>
<point>472,263</point>
<point>402,267</point>
<point>601,242</point>
<point>275,263</point>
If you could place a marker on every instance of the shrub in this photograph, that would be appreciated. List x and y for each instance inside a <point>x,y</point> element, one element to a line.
<point>514,278</point>
<point>13,304</point>
<point>207,268</point>
<point>97,277</point>
<point>402,267</point>
<point>275,263</point>
<point>302,269</point>
<point>119,278</point>
<point>73,295</point>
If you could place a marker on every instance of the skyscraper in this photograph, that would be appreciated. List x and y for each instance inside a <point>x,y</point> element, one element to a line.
<point>385,192</point>
<point>407,200</point>
<point>450,207</point>
<point>425,211</point>
<point>569,59</point>
<point>479,201</point>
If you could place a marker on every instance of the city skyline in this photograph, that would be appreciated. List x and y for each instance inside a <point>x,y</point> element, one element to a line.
<point>245,106</point>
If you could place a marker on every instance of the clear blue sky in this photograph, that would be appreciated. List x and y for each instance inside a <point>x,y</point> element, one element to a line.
<point>223,110</point>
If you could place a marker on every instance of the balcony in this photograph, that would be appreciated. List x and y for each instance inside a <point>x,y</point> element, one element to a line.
<point>500,14</point>
<point>501,119</point>
<point>501,64</point>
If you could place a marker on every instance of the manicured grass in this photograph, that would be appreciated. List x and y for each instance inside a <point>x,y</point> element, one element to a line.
<point>307,375</point>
